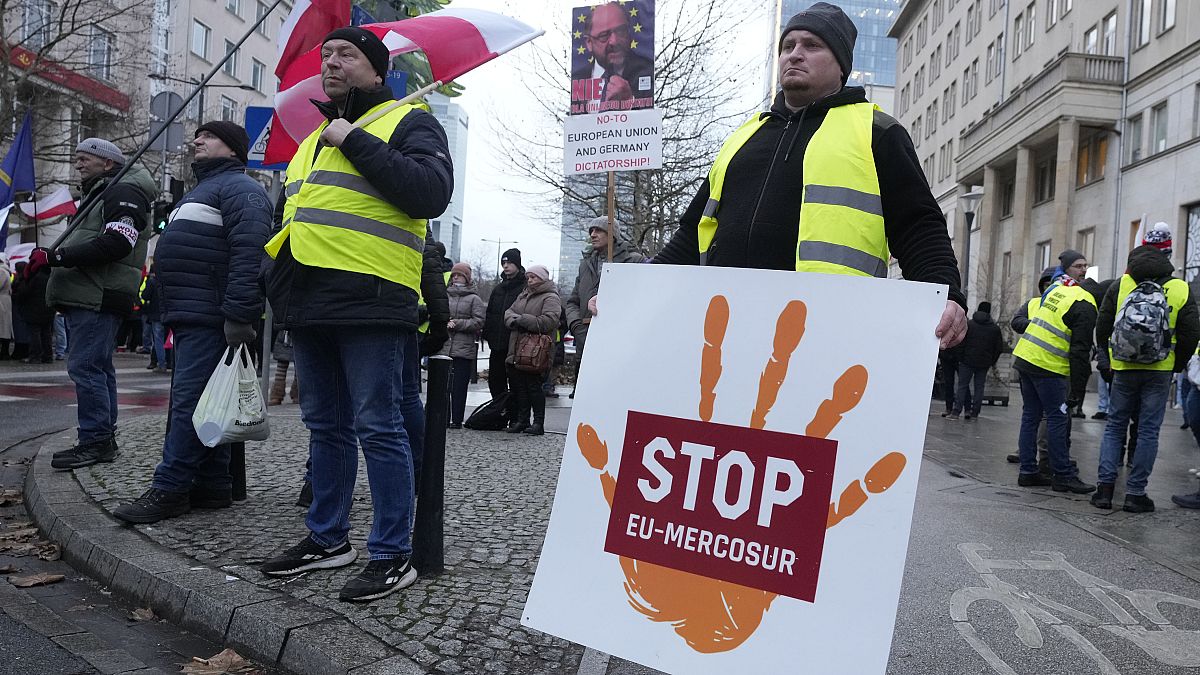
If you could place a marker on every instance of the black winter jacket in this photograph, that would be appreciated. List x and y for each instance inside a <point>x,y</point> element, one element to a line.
<point>984,344</point>
<point>152,309</point>
<point>210,253</point>
<point>412,171</point>
<point>503,296</point>
<point>760,202</point>
<point>29,297</point>
<point>1081,319</point>
<point>1149,263</point>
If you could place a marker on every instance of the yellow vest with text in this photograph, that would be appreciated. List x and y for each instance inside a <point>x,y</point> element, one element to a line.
<point>841,216</point>
<point>1177,293</point>
<point>334,218</point>
<point>1047,340</point>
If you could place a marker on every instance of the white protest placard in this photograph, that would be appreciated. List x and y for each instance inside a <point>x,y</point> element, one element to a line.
<point>613,141</point>
<point>738,481</point>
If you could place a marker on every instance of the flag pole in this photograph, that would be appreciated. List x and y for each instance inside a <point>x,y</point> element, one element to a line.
<point>86,208</point>
<point>37,235</point>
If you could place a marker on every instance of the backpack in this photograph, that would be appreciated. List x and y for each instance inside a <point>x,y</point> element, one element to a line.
<point>490,416</point>
<point>1142,330</point>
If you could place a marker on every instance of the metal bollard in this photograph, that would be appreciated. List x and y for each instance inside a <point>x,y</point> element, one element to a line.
<point>237,470</point>
<point>428,553</point>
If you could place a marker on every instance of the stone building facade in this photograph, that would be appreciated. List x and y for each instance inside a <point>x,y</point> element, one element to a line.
<point>1077,120</point>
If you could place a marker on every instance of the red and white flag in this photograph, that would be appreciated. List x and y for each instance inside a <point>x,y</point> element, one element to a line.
<point>58,203</point>
<point>309,21</point>
<point>455,41</point>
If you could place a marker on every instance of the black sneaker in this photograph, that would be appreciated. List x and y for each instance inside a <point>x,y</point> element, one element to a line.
<point>1073,485</point>
<point>309,555</point>
<point>304,499</point>
<point>1102,499</point>
<point>381,578</point>
<point>1100,416</point>
<point>534,429</point>
<point>1191,501</point>
<point>154,505</point>
<point>210,498</point>
<point>1033,480</point>
<point>1138,504</point>
<point>1014,458</point>
<point>86,454</point>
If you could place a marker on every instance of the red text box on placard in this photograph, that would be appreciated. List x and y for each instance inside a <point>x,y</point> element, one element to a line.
<point>742,505</point>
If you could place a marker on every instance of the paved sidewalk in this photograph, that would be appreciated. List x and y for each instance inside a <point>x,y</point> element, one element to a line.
<point>199,569</point>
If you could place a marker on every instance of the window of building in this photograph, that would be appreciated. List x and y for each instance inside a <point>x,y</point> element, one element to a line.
<point>1093,153</point>
<point>1085,243</point>
<point>953,99</point>
<point>927,167</point>
<point>258,73</point>
<point>162,49</point>
<point>1091,40</point>
<point>229,109</point>
<point>974,78</point>
<point>1191,259</point>
<point>1109,47</point>
<point>234,7</point>
<point>949,48</point>
<point>1134,136</point>
<point>922,33</point>
<point>259,11</point>
<point>36,21</point>
<point>1030,24</point>
<point>1158,128</point>
<point>933,115</point>
<point>1043,180</point>
<point>966,78</point>
<point>1007,195</point>
<point>200,37</point>
<point>934,64</point>
<point>1018,35</point>
<point>1141,23</point>
<point>100,53</point>
<point>1005,277</point>
<point>1051,13</point>
<point>936,15</point>
<point>1041,256</point>
<point>1064,6</point>
<point>919,83</point>
<point>907,52</point>
<point>904,98</point>
<point>989,62</point>
<point>916,132</point>
<point>955,38</point>
<point>999,55</point>
<point>970,22</point>
<point>231,64</point>
<point>1196,113</point>
<point>978,17</point>
<point>1168,16</point>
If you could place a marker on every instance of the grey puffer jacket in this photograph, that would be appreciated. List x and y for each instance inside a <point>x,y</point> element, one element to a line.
<point>588,281</point>
<point>467,312</point>
<point>536,310</point>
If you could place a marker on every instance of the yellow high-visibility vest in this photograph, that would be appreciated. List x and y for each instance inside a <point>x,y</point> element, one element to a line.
<point>841,227</point>
<point>334,218</point>
<point>1178,294</point>
<point>1046,342</point>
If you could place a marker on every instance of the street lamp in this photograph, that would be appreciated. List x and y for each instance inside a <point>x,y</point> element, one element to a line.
<point>168,78</point>
<point>498,243</point>
<point>970,202</point>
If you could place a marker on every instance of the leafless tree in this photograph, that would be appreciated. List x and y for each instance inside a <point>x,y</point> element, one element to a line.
<point>694,77</point>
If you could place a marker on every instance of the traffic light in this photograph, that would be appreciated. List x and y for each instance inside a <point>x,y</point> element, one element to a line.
<point>159,215</point>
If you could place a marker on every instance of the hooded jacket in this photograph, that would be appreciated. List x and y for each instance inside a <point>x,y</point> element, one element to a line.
<point>984,344</point>
<point>503,296</point>
<point>760,202</point>
<point>587,282</point>
<point>208,257</point>
<point>467,312</point>
<point>412,170</point>
<point>537,309</point>
<point>1147,263</point>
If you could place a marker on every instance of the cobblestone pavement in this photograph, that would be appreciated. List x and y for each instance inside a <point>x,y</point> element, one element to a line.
<point>499,490</point>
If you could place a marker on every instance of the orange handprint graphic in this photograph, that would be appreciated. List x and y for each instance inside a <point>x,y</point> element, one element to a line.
<point>711,522</point>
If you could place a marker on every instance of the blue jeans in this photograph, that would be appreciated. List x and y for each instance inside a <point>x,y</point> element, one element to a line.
<point>158,338</point>
<point>1102,388</point>
<point>91,369</point>
<point>355,392</point>
<point>1130,389</point>
<point>1186,390</point>
<point>186,461</point>
<point>412,409</point>
<point>60,336</point>
<point>1046,396</point>
<point>1192,408</point>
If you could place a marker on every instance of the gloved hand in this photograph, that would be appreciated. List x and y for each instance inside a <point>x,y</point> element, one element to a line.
<point>433,341</point>
<point>238,333</point>
<point>1106,374</point>
<point>38,258</point>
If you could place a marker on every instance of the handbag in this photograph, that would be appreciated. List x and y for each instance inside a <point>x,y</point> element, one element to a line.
<point>534,353</point>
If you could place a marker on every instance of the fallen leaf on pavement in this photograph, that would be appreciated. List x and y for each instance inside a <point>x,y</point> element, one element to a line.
<point>17,550</point>
<point>23,533</point>
<point>143,614</point>
<point>8,569</point>
<point>50,552</point>
<point>42,579</point>
<point>228,661</point>
<point>81,608</point>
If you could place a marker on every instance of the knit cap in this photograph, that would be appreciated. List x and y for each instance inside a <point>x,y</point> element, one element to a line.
<point>231,134</point>
<point>831,24</point>
<point>102,149</point>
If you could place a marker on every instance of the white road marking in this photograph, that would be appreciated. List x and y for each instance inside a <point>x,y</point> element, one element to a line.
<point>10,399</point>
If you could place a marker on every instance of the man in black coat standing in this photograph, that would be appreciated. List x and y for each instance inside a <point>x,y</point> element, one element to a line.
<point>981,349</point>
<point>512,282</point>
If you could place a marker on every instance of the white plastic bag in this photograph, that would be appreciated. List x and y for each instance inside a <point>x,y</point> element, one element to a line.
<point>231,408</point>
<point>1193,370</point>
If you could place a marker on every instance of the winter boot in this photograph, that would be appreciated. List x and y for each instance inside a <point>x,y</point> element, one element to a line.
<point>1102,499</point>
<point>1138,504</point>
<point>275,397</point>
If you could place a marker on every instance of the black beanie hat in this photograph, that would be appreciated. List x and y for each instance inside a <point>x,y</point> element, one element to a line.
<point>831,24</point>
<point>368,43</point>
<point>231,134</point>
<point>1068,258</point>
<point>985,307</point>
<point>512,255</point>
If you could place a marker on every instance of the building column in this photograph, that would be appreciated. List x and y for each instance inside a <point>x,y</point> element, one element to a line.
<point>1022,256</point>
<point>1064,184</point>
<point>987,269</point>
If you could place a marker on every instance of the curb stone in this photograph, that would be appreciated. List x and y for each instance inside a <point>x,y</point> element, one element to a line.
<point>213,602</point>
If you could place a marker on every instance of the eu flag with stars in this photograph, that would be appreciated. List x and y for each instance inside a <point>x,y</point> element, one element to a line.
<point>16,173</point>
